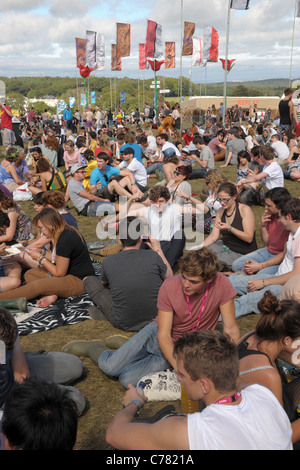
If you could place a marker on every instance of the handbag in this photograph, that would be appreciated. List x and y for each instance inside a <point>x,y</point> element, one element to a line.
<point>22,193</point>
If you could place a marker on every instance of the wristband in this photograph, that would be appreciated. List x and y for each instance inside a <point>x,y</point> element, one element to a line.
<point>138,403</point>
<point>230,228</point>
<point>41,260</point>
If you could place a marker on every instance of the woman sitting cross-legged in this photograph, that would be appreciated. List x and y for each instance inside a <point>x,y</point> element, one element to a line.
<point>60,272</point>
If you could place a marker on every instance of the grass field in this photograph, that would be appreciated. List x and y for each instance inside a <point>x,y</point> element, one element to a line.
<point>104,394</point>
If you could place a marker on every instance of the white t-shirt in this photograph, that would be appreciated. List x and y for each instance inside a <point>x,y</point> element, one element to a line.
<point>170,145</point>
<point>292,252</point>
<point>281,149</point>
<point>275,178</point>
<point>138,170</point>
<point>258,423</point>
<point>163,225</point>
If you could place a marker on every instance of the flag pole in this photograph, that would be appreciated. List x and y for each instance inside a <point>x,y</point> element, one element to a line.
<point>291,64</point>
<point>181,52</point>
<point>226,61</point>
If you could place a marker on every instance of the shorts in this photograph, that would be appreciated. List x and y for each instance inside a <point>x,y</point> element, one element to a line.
<point>3,271</point>
<point>105,194</point>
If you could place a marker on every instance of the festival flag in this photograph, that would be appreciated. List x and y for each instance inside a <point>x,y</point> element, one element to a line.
<point>94,50</point>
<point>240,4</point>
<point>210,45</point>
<point>80,51</point>
<point>142,56</point>
<point>158,46</point>
<point>197,52</point>
<point>123,40</point>
<point>93,97</point>
<point>187,45</point>
<point>116,62</point>
<point>72,101</point>
<point>169,55</point>
<point>229,64</point>
<point>150,38</point>
<point>298,9</point>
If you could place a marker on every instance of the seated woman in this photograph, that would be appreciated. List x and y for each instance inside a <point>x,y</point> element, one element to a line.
<point>50,147</point>
<point>20,227</point>
<point>211,205</point>
<point>90,166</point>
<point>275,338</point>
<point>8,173</point>
<point>50,177</point>
<point>236,223</point>
<point>10,270</point>
<point>179,184</point>
<point>71,156</point>
<point>67,264</point>
<point>56,200</point>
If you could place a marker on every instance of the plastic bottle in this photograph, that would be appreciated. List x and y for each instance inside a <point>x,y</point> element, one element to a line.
<point>140,388</point>
<point>188,406</point>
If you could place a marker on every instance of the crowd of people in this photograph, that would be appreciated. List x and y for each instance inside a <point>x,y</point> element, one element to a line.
<point>171,295</point>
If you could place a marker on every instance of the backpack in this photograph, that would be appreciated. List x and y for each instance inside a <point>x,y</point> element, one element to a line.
<point>151,113</point>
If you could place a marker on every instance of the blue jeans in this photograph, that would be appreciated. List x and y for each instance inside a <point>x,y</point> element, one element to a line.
<point>99,208</point>
<point>247,302</point>
<point>156,166</point>
<point>139,356</point>
<point>259,256</point>
<point>285,127</point>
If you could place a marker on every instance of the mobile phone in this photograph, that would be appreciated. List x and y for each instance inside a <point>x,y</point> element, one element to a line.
<point>145,237</point>
<point>2,352</point>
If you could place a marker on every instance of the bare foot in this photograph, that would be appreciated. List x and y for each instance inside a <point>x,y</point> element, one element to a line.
<point>46,301</point>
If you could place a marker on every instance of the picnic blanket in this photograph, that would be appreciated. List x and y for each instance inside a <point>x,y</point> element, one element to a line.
<point>62,312</point>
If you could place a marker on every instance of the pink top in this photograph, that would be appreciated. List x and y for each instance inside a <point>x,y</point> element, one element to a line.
<point>171,298</point>
<point>76,158</point>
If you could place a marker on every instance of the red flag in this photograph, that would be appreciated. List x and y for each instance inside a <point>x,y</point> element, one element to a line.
<point>229,63</point>
<point>150,38</point>
<point>142,56</point>
<point>155,64</point>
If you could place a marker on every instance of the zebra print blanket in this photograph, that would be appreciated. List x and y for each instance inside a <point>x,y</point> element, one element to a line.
<point>63,312</point>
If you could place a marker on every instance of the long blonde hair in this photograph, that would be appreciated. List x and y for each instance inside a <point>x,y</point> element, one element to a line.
<point>54,222</point>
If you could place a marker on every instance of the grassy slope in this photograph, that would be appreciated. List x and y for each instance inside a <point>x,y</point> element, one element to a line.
<point>104,394</point>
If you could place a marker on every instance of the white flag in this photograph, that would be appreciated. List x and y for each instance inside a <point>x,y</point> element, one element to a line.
<point>197,52</point>
<point>159,50</point>
<point>240,4</point>
<point>94,50</point>
<point>298,9</point>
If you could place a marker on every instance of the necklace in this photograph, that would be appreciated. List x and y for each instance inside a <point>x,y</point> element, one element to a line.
<point>228,399</point>
<point>201,309</point>
<point>231,212</point>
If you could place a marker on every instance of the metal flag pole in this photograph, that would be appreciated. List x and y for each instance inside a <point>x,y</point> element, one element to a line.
<point>226,61</point>
<point>291,64</point>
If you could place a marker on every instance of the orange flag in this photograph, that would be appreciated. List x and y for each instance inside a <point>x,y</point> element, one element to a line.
<point>187,45</point>
<point>169,55</point>
<point>123,40</point>
<point>116,64</point>
<point>80,52</point>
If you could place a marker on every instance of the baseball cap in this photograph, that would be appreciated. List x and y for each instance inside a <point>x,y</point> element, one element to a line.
<point>76,167</point>
<point>169,152</point>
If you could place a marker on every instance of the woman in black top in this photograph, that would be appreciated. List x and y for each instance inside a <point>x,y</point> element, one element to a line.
<point>60,272</point>
<point>235,222</point>
<point>275,337</point>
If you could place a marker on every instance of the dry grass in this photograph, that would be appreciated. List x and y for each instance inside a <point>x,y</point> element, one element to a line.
<point>104,394</point>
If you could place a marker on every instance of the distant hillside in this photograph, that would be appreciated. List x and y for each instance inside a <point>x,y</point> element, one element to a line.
<point>136,91</point>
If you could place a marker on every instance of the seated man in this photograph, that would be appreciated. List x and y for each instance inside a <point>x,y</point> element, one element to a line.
<point>85,202</point>
<point>207,364</point>
<point>127,293</point>
<point>192,300</point>
<point>252,288</point>
<point>273,235</point>
<point>139,171</point>
<point>206,158</point>
<point>39,415</point>
<point>271,175</point>
<point>104,187</point>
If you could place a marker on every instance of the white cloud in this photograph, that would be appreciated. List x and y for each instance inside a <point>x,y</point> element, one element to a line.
<point>38,36</point>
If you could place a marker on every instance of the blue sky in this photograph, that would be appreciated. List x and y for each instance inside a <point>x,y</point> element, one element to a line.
<point>38,36</point>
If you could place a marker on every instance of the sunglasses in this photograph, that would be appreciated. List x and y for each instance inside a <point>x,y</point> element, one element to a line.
<point>225,200</point>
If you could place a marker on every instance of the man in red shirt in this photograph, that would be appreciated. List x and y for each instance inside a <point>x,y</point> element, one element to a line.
<point>6,127</point>
<point>273,235</point>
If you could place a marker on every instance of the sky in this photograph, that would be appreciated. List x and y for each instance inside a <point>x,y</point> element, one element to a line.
<point>38,36</point>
